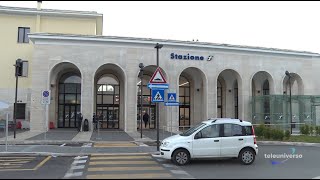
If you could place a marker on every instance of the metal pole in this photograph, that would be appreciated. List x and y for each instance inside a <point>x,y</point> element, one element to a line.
<point>290,103</point>
<point>15,107</point>
<point>141,100</point>
<point>7,124</point>
<point>171,119</point>
<point>157,106</point>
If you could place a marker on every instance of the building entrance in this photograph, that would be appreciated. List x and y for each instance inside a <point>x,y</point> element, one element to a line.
<point>108,117</point>
<point>151,123</point>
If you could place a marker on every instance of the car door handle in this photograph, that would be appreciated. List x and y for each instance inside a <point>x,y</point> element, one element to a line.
<point>241,139</point>
<point>216,140</point>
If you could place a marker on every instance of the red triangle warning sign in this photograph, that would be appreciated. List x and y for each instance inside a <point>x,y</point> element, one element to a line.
<point>157,77</point>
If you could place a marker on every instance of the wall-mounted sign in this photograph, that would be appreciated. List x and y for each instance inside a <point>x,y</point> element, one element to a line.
<point>175,56</point>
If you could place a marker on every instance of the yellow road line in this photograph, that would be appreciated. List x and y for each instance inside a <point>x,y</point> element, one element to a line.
<point>115,145</point>
<point>42,163</point>
<point>33,169</point>
<point>121,162</point>
<point>117,154</point>
<point>7,167</point>
<point>120,157</point>
<point>126,168</point>
<point>130,176</point>
<point>14,160</point>
<point>17,157</point>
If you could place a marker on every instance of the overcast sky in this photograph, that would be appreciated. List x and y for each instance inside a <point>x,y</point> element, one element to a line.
<point>285,25</point>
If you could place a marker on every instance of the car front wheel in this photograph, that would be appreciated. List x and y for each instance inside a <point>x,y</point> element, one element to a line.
<point>181,157</point>
<point>247,156</point>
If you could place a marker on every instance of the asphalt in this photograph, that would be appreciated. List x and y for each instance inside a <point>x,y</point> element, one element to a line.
<point>57,137</point>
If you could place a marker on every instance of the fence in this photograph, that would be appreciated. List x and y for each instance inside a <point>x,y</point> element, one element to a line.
<point>275,110</point>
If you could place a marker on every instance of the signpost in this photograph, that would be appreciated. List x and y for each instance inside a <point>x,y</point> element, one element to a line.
<point>157,84</point>
<point>45,100</point>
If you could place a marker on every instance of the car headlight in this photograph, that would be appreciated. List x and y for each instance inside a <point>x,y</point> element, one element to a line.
<point>165,144</point>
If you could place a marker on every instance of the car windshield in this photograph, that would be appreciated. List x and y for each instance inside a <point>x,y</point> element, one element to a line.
<point>192,130</point>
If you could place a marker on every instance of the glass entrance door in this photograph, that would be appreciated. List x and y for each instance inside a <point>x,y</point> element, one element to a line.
<point>70,112</point>
<point>151,111</point>
<point>108,117</point>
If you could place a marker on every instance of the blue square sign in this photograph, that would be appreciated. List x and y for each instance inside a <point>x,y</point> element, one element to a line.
<point>172,97</point>
<point>157,95</point>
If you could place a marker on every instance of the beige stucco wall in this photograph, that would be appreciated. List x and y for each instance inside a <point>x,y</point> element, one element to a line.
<point>68,25</point>
<point>11,50</point>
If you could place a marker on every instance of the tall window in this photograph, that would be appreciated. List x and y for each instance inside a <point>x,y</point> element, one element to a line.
<point>108,101</point>
<point>184,99</point>
<point>23,34</point>
<point>69,100</point>
<point>219,99</point>
<point>236,108</point>
<point>266,105</point>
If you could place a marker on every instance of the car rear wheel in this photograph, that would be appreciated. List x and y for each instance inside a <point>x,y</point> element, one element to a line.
<point>247,156</point>
<point>181,157</point>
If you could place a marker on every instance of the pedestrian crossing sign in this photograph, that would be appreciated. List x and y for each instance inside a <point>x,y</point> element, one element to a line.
<point>157,95</point>
<point>172,97</point>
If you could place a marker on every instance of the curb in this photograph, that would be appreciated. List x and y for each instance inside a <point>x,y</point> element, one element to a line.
<point>288,143</point>
<point>2,154</point>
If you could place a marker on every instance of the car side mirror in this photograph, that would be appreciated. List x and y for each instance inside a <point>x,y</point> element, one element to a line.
<point>198,135</point>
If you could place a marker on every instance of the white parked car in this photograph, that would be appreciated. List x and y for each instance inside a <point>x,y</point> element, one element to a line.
<point>218,137</point>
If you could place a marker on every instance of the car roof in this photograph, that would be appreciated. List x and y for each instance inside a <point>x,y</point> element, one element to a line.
<point>226,120</point>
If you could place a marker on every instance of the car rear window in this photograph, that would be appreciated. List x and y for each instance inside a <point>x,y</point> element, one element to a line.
<point>247,130</point>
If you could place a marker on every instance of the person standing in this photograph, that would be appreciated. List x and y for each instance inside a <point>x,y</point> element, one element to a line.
<point>79,118</point>
<point>145,119</point>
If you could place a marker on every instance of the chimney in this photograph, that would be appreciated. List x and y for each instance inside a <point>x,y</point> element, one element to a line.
<point>39,5</point>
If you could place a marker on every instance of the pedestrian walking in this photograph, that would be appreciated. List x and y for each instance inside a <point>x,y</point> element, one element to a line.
<point>145,119</point>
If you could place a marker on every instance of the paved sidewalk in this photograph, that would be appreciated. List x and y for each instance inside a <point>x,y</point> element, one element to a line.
<point>82,136</point>
<point>22,136</point>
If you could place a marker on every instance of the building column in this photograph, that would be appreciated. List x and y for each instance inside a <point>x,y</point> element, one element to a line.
<point>212,97</point>
<point>172,115</point>
<point>244,99</point>
<point>87,96</point>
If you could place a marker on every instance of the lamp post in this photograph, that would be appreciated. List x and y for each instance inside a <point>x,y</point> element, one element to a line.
<point>158,46</point>
<point>141,95</point>
<point>288,74</point>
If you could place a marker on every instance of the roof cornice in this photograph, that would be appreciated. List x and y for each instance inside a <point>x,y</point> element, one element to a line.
<point>50,36</point>
<point>53,12</point>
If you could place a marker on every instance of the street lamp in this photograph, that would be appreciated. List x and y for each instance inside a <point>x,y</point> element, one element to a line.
<point>288,74</point>
<point>141,95</point>
<point>18,72</point>
<point>158,46</point>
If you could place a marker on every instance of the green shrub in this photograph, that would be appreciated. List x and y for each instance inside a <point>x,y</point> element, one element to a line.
<point>287,134</point>
<point>277,134</point>
<point>317,130</point>
<point>267,132</point>
<point>304,129</point>
<point>311,130</point>
<point>259,130</point>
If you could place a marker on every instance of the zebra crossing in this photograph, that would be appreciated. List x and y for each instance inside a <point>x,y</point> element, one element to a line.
<point>129,166</point>
<point>124,166</point>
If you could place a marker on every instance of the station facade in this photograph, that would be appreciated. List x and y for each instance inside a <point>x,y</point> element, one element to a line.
<point>100,74</point>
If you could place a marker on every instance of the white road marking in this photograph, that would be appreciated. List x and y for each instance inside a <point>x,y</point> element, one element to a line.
<point>77,167</point>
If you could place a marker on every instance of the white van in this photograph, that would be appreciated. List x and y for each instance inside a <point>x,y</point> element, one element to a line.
<point>218,137</point>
